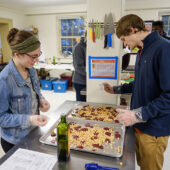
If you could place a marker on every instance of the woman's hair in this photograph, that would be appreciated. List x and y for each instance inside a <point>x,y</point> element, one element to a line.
<point>22,41</point>
<point>16,36</point>
<point>127,22</point>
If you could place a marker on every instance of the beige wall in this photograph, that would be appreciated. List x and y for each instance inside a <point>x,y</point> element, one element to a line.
<point>9,18</point>
<point>16,15</point>
<point>45,19</point>
<point>5,26</point>
<point>147,4</point>
<point>147,9</point>
<point>47,28</point>
<point>151,14</point>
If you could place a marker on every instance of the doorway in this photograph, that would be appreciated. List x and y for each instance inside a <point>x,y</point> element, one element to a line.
<point>5,26</point>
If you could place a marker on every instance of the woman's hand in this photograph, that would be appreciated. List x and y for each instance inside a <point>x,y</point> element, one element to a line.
<point>44,106</point>
<point>38,120</point>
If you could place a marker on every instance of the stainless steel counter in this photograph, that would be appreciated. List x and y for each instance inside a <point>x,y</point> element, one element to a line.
<point>78,159</point>
<point>56,66</point>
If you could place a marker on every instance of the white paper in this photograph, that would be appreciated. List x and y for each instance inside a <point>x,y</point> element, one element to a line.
<point>103,67</point>
<point>126,50</point>
<point>101,86</point>
<point>24,159</point>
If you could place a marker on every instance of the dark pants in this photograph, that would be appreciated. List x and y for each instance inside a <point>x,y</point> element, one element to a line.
<point>6,146</point>
<point>78,88</point>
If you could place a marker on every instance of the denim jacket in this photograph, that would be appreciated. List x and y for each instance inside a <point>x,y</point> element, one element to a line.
<point>16,103</point>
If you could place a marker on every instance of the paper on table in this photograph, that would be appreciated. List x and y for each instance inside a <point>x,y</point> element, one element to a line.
<point>29,160</point>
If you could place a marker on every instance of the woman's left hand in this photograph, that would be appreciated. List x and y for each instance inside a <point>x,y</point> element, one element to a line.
<point>44,106</point>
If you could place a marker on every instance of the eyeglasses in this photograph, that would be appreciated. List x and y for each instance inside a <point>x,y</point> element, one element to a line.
<point>34,57</point>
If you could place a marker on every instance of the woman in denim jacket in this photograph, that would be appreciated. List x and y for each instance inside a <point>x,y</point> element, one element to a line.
<point>20,96</point>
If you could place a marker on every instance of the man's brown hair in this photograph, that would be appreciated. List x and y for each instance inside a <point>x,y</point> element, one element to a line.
<point>127,22</point>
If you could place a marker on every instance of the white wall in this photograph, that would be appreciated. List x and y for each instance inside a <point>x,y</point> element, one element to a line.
<point>45,19</point>
<point>17,15</point>
<point>147,9</point>
<point>96,10</point>
<point>46,25</point>
<point>18,21</point>
<point>146,15</point>
<point>61,9</point>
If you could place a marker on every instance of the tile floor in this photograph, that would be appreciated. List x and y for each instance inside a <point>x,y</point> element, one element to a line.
<point>57,99</point>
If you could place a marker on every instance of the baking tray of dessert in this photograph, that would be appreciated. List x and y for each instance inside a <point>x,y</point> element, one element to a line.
<point>94,112</point>
<point>94,137</point>
<point>99,138</point>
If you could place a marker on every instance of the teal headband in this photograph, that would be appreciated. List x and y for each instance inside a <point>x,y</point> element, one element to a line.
<point>30,44</point>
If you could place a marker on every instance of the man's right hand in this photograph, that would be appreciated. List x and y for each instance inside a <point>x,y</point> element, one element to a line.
<point>108,88</point>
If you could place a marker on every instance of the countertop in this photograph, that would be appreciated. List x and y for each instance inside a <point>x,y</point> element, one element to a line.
<point>77,159</point>
<point>54,66</point>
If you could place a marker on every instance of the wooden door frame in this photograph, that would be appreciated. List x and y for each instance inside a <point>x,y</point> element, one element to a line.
<point>5,25</point>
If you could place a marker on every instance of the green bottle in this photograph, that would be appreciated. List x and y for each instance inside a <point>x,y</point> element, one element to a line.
<point>63,143</point>
<point>54,62</point>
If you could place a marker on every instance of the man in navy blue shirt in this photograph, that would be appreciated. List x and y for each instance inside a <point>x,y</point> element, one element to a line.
<point>150,103</point>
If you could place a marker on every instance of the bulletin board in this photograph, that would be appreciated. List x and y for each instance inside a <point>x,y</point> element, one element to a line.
<point>148,25</point>
<point>103,67</point>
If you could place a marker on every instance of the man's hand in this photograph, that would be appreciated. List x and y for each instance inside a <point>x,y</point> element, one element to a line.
<point>127,117</point>
<point>108,88</point>
<point>44,105</point>
<point>38,120</point>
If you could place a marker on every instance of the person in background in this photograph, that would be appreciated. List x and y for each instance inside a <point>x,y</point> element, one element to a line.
<point>20,96</point>
<point>79,63</point>
<point>159,26</point>
<point>150,103</point>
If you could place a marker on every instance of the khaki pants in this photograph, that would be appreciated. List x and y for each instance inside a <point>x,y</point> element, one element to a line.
<point>150,151</point>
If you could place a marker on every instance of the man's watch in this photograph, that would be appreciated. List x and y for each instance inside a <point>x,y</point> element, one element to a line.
<point>138,115</point>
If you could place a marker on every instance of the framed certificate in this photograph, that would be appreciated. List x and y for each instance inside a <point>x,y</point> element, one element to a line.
<point>103,67</point>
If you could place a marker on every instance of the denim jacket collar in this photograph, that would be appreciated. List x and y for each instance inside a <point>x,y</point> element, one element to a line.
<point>17,76</point>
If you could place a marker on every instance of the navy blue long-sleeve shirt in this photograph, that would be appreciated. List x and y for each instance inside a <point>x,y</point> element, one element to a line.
<point>151,87</point>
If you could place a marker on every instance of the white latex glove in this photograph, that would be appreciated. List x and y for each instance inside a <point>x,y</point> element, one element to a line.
<point>38,120</point>
<point>126,117</point>
<point>44,106</point>
<point>108,88</point>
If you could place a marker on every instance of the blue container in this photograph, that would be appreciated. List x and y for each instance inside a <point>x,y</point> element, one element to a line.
<point>94,166</point>
<point>60,86</point>
<point>47,84</point>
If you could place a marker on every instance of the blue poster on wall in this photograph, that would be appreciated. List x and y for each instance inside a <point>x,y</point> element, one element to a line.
<point>103,67</point>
